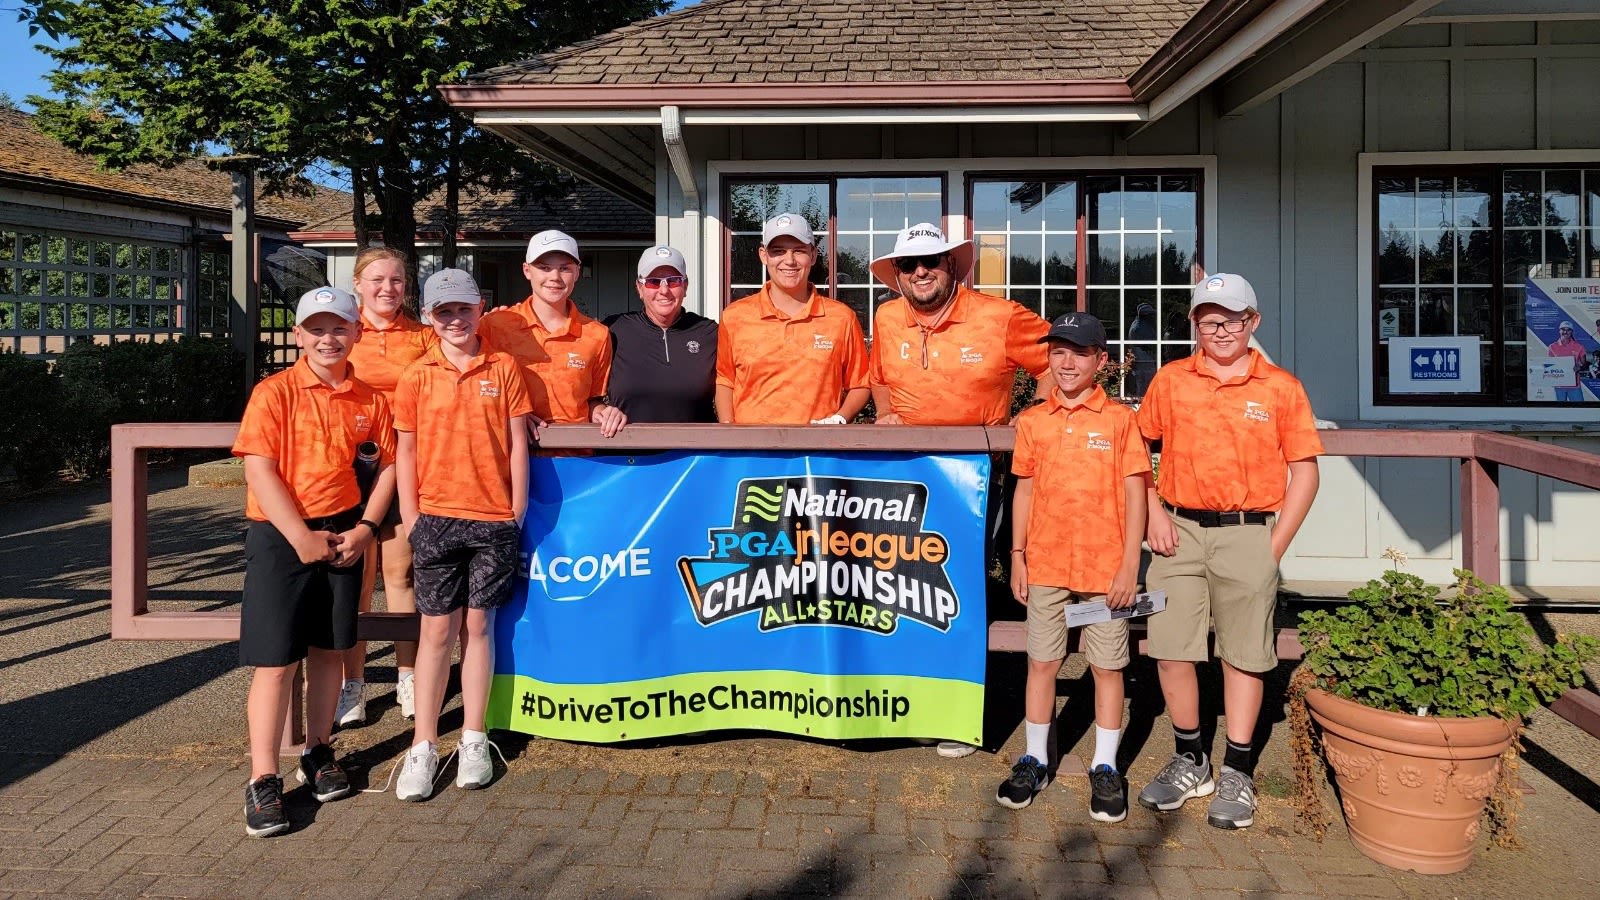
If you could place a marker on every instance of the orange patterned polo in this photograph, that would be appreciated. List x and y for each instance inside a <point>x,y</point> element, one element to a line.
<point>972,359</point>
<point>1078,458</point>
<point>787,371</point>
<point>383,353</point>
<point>565,371</point>
<point>311,431</point>
<point>1226,446</point>
<point>463,425</point>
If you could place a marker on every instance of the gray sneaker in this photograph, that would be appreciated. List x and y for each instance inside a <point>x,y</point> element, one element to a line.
<point>474,768</point>
<point>1177,782</point>
<point>1234,806</point>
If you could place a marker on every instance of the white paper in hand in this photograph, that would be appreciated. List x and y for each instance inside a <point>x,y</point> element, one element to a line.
<point>1097,611</point>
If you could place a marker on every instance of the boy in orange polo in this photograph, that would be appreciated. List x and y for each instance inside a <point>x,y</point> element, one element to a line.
<point>566,354</point>
<point>1078,518</point>
<point>788,355</point>
<point>461,413</point>
<point>1239,452</point>
<point>308,531</point>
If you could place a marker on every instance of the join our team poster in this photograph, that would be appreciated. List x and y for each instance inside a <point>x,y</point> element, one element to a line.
<point>1563,316</point>
<point>837,596</point>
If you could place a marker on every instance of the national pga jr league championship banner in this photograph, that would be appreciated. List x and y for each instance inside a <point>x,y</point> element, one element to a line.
<point>831,595</point>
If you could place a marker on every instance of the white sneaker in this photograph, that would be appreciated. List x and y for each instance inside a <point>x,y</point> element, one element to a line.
<point>416,773</point>
<point>955,749</point>
<point>352,708</point>
<point>405,692</point>
<point>474,768</point>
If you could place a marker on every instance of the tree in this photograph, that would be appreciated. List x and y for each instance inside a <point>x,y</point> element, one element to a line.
<point>284,85</point>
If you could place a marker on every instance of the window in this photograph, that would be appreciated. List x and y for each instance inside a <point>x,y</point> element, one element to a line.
<point>1455,252</point>
<point>1121,246</point>
<point>855,221</point>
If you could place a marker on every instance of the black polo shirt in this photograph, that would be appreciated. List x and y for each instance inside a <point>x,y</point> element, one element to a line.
<point>663,374</point>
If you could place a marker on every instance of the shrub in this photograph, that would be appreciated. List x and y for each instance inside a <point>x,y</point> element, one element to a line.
<point>187,380</point>
<point>30,394</point>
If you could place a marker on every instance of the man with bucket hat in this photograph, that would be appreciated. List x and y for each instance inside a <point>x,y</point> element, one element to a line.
<point>944,354</point>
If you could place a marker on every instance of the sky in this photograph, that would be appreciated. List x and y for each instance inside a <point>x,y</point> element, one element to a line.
<point>22,68</point>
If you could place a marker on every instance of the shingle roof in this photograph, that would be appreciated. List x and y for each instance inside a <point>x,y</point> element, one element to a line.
<point>29,155</point>
<point>766,41</point>
<point>582,209</point>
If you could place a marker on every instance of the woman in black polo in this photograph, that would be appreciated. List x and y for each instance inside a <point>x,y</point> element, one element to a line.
<point>664,358</point>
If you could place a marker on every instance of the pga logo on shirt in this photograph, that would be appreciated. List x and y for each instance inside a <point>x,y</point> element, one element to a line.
<point>576,361</point>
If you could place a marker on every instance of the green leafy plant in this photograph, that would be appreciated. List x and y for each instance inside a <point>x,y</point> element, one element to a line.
<point>1402,647</point>
<point>31,395</point>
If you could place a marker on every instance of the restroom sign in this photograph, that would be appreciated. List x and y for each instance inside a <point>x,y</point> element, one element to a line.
<point>1435,365</point>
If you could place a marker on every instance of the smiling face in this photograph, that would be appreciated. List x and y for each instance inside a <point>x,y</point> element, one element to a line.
<point>1225,346</point>
<point>552,277</point>
<point>664,302</point>
<point>456,324</point>
<point>788,263</point>
<point>325,339</point>
<point>381,287</point>
<point>924,288</point>
<point>1074,367</point>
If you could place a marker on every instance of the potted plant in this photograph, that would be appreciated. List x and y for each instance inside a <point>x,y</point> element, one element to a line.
<point>1419,700</point>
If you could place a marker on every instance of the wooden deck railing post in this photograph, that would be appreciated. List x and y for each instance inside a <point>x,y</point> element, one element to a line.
<point>1480,518</point>
<point>130,501</point>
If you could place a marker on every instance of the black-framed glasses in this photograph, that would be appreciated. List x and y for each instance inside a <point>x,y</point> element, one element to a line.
<point>909,264</point>
<point>1231,326</point>
<point>664,281</point>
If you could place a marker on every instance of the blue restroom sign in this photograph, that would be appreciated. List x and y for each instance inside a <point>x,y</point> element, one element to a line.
<point>1435,363</point>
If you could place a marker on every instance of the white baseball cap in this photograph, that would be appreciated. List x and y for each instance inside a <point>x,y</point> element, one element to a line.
<point>450,286</point>
<point>1231,292</point>
<point>656,257</point>
<point>551,241</point>
<point>923,239</point>
<point>327,300</point>
<point>787,225</point>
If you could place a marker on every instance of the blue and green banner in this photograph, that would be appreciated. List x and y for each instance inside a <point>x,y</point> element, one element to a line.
<point>837,596</point>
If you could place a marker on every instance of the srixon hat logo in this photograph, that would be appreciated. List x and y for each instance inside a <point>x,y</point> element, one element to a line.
<point>934,233</point>
<point>839,552</point>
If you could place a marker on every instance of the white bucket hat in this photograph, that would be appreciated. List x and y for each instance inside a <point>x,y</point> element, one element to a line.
<point>923,239</point>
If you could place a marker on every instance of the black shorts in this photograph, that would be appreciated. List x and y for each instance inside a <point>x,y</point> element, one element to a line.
<point>288,605</point>
<point>459,563</point>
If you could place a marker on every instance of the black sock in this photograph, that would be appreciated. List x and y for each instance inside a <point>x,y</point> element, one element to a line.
<point>1238,758</point>
<point>1189,744</point>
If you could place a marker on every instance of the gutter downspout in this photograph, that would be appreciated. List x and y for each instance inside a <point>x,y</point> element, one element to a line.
<point>688,241</point>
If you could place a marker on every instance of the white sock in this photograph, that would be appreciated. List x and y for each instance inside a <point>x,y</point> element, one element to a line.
<point>470,737</point>
<point>1105,747</point>
<point>1038,741</point>
<point>424,744</point>
<point>355,681</point>
<point>407,675</point>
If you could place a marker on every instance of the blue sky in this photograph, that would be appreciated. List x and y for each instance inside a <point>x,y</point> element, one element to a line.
<point>22,68</point>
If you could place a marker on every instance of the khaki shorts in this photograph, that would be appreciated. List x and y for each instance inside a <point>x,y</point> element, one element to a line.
<point>1105,644</point>
<point>1224,578</point>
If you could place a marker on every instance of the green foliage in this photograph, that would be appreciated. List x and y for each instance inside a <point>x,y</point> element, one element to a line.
<point>1401,647</point>
<point>188,380</point>
<point>31,396</point>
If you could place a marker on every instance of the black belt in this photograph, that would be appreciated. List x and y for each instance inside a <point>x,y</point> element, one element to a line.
<point>1210,518</point>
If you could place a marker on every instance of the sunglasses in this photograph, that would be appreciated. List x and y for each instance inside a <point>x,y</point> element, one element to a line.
<point>664,281</point>
<point>909,264</point>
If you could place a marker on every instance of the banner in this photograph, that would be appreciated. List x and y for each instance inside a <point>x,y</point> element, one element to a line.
<point>837,596</point>
<point>1563,316</point>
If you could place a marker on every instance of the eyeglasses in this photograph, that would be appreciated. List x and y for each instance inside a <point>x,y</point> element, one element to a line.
<point>664,281</point>
<point>1231,326</point>
<point>909,264</point>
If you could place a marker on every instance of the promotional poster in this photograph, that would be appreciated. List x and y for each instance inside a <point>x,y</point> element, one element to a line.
<point>831,595</point>
<point>1563,339</point>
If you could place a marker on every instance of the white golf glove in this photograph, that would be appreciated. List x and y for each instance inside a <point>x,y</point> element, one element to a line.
<point>834,419</point>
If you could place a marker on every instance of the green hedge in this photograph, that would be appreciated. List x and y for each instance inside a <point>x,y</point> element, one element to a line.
<point>68,409</point>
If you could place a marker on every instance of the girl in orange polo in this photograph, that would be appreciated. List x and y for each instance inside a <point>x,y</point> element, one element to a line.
<point>392,339</point>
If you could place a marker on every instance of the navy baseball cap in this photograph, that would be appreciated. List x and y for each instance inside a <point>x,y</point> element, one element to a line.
<point>1079,328</point>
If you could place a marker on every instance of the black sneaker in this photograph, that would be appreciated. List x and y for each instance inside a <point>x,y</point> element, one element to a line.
<point>263,807</point>
<point>1028,777</point>
<point>1108,800</point>
<point>319,769</point>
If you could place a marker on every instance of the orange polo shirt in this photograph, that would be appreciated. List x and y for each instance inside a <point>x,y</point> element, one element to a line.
<point>564,370</point>
<point>1078,458</point>
<point>311,431</point>
<point>973,357</point>
<point>787,371</point>
<point>383,353</point>
<point>1227,445</point>
<point>463,425</point>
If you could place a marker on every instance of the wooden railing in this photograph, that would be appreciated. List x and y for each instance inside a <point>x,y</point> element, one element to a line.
<point>1479,456</point>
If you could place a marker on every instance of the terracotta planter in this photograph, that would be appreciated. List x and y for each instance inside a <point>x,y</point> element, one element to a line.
<point>1413,787</point>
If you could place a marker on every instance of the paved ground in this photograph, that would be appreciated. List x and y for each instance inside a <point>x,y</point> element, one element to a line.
<point>121,768</point>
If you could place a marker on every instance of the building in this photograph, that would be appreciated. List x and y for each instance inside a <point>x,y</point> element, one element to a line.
<point>1393,177</point>
<point>140,253</point>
